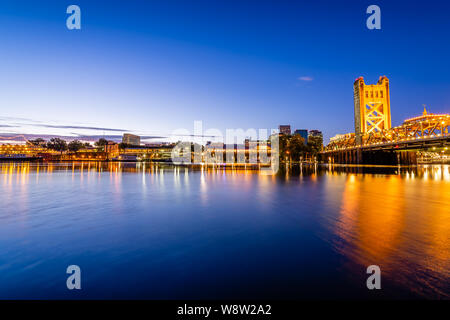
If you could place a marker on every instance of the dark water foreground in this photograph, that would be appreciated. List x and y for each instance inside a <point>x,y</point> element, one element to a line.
<point>161,232</point>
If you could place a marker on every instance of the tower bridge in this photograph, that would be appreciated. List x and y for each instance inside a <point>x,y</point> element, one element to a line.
<point>375,141</point>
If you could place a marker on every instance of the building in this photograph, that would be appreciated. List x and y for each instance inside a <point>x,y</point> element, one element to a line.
<point>82,155</point>
<point>131,139</point>
<point>303,133</point>
<point>250,152</point>
<point>372,107</point>
<point>155,153</point>
<point>157,144</point>
<point>23,149</point>
<point>315,133</point>
<point>112,149</point>
<point>285,129</point>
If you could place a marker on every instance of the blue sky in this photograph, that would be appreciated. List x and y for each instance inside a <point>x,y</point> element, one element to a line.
<point>151,67</point>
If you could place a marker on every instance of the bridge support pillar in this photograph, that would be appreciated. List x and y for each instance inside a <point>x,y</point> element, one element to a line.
<point>359,156</point>
<point>407,158</point>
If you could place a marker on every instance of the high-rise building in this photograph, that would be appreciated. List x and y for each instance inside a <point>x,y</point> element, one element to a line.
<point>303,133</point>
<point>285,129</point>
<point>131,139</point>
<point>315,133</point>
<point>372,107</point>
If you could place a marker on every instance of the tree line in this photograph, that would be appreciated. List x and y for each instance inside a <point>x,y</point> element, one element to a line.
<point>60,145</point>
<point>294,148</point>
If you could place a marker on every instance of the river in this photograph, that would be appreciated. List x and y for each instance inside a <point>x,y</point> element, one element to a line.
<point>143,231</point>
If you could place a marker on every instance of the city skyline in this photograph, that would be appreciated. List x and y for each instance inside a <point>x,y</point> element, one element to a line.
<point>151,68</point>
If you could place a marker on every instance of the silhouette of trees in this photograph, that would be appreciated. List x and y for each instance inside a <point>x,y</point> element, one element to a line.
<point>57,144</point>
<point>75,145</point>
<point>37,142</point>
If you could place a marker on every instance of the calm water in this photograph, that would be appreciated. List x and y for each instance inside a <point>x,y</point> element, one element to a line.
<point>161,232</point>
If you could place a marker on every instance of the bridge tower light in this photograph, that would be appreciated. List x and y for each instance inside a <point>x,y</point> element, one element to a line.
<point>372,107</point>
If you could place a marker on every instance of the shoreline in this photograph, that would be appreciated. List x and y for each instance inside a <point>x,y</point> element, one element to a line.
<point>227,165</point>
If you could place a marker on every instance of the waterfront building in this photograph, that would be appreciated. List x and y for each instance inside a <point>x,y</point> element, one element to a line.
<point>285,129</point>
<point>112,149</point>
<point>162,152</point>
<point>22,149</point>
<point>158,144</point>
<point>131,139</point>
<point>87,154</point>
<point>126,157</point>
<point>250,152</point>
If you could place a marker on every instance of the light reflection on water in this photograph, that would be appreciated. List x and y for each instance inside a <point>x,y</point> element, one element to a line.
<point>401,223</point>
<point>176,232</point>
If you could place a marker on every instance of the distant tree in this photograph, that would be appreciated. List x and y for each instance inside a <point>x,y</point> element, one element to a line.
<point>37,142</point>
<point>57,144</point>
<point>87,145</point>
<point>101,142</point>
<point>296,147</point>
<point>124,145</point>
<point>283,141</point>
<point>75,145</point>
<point>316,144</point>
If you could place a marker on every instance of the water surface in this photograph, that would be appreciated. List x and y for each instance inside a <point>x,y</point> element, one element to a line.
<point>159,232</point>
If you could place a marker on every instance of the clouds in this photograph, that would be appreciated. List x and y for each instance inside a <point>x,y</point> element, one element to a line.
<point>79,127</point>
<point>305,78</point>
<point>13,122</point>
<point>16,119</point>
<point>22,129</point>
<point>4,136</point>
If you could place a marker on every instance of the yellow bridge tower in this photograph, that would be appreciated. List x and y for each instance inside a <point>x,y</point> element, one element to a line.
<point>372,107</point>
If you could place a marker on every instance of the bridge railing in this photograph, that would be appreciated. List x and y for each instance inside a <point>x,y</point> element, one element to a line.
<point>430,127</point>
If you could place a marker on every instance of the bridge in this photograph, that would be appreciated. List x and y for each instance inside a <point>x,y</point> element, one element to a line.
<point>375,141</point>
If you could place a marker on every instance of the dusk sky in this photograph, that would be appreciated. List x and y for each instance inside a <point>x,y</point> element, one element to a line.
<point>151,67</point>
